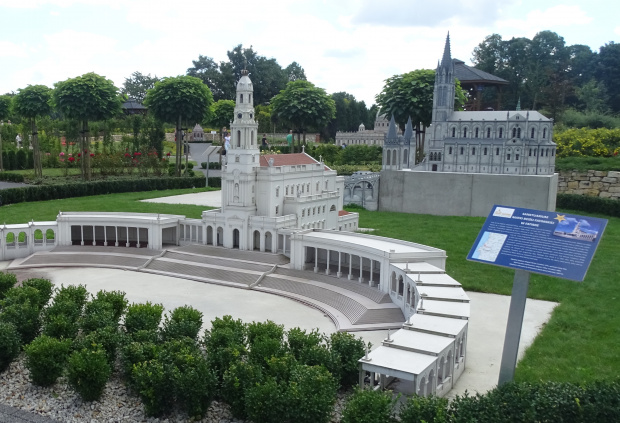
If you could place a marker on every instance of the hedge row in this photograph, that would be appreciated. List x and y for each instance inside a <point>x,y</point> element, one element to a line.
<point>585,203</point>
<point>82,189</point>
<point>512,402</point>
<point>11,177</point>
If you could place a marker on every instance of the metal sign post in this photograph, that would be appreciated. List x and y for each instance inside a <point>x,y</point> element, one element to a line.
<point>513,327</point>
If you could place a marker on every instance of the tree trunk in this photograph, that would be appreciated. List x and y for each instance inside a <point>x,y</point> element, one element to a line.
<point>36,151</point>
<point>177,170</point>
<point>86,151</point>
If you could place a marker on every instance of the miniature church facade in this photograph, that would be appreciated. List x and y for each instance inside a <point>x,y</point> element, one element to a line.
<point>496,142</point>
<point>266,198</point>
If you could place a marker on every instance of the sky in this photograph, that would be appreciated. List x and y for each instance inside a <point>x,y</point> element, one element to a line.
<point>343,45</point>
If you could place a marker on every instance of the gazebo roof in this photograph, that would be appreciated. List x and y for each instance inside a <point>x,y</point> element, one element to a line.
<point>469,75</point>
<point>133,104</point>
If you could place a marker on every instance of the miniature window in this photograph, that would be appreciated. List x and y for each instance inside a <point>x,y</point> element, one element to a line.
<point>240,98</point>
<point>497,151</point>
<point>464,132</point>
<point>485,151</point>
<point>518,132</point>
<point>287,190</point>
<point>488,132</point>
<point>532,133</point>
<point>508,156</point>
<point>473,151</point>
<point>323,209</point>
<point>277,191</point>
<point>516,157</point>
<point>317,187</point>
<point>277,208</point>
<point>552,153</point>
<point>450,150</point>
<point>308,188</point>
<point>476,132</point>
<point>514,132</point>
<point>326,184</point>
<point>313,211</point>
<point>237,159</point>
<point>439,156</point>
<point>544,133</point>
<point>501,132</point>
<point>249,98</point>
<point>332,208</point>
<point>453,132</point>
<point>303,213</point>
<point>302,188</point>
<point>461,150</point>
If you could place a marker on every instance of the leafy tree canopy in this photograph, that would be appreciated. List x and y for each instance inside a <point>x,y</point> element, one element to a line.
<point>5,106</point>
<point>33,101</point>
<point>221,113</point>
<point>411,95</point>
<point>87,97</point>
<point>181,96</point>
<point>138,84</point>
<point>303,105</point>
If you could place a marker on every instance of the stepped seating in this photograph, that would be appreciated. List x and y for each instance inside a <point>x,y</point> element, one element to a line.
<point>203,272</point>
<point>255,256</point>
<point>353,286</point>
<point>347,306</point>
<point>216,261</point>
<point>101,249</point>
<point>83,259</point>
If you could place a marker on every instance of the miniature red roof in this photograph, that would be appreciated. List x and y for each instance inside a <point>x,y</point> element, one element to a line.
<point>287,159</point>
<point>343,213</point>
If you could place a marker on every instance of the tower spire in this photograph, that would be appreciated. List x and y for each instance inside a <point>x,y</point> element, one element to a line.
<point>447,56</point>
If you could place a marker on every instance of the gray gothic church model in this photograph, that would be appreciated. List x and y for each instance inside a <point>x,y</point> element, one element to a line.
<point>498,142</point>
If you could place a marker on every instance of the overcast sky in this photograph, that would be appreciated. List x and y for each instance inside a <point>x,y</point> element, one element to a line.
<point>343,45</point>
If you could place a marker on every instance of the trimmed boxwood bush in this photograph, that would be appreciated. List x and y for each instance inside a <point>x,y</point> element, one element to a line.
<point>46,358</point>
<point>60,319</point>
<point>88,371</point>
<point>424,409</point>
<point>7,281</point>
<point>107,338</point>
<point>346,349</point>
<point>44,286</point>
<point>10,344</point>
<point>97,315</point>
<point>184,321</point>
<point>370,406</point>
<point>152,385</point>
<point>146,316</point>
<point>76,294</point>
<point>11,177</point>
<point>240,376</point>
<point>117,301</point>
<point>82,189</point>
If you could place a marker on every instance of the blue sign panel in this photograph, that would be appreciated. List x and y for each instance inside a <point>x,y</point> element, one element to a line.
<point>549,243</point>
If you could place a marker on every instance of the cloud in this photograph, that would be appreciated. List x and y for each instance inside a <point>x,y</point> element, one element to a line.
<point>428,14</point>
<point>617,30</point>
<point>538,19</point>
<point>344,53</point>
<point>8,49</point>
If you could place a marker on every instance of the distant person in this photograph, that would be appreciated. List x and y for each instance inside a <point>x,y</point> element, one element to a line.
<point>289,141</point>
<point>18,140</point>
<point>226,143</point>
<point>264,141</point>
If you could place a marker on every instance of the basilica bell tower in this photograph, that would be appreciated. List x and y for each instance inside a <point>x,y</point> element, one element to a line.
<point>242,159</point>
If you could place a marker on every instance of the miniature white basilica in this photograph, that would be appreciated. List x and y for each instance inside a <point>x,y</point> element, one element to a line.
<point>499,142</point>
<point>265,198</point>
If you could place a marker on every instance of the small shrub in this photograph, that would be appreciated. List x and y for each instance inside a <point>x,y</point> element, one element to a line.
<point>25,317</point>
<point>153,387</point>
<point>194,383</point>
<point>22,295</point>
<point>7,281</point>
<point>107,338</point>
<point>60,319</point>
<point>145,316</point>
<point>237,379</point>
<point>346,350</point>
<point>44,286</point>
<point>116,299</point>
<point>87,373</point>
<point>424,410</point>
<point>98,315</point>
<point>268,402</point>
<point>184,321</point>
<point>134,353</point>
<point>312,392</point>
<point>46,358</point>
<point>10,343</point>
<point>76,294</point>
<point>369,406</point>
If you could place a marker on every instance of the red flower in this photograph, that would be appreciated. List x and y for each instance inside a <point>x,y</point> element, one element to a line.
<point>137,154</point>
<point>79,154</point>
<point>127,154</point>
<point>71,159</point>
<point>168,154</point>
<point>92,155</point>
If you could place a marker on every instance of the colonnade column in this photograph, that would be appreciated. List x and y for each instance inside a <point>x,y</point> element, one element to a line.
<point>339,274</point>
<point>350,277</point>
<point>94,237</point>
<point>327,266</point>
<point>361,278</point>
<point>127,243</point>
<point>82,234</point>
<point>316,259</point>
<point>370,281</point>
<point>138,233</point>
<point>105,236</point>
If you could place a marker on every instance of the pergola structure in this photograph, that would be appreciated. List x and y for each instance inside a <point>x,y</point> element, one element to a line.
<point>475,81</point>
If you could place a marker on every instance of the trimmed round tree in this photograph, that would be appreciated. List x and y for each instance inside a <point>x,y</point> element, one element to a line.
<point>5,108</point>
<point>32,102</point>
<point>303,105</point>
<point>177,99</point>
<point>87,97</point>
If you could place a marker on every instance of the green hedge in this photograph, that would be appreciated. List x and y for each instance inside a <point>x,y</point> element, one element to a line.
<point>11,177</point>
<point>82,189</point>
<point>589,204</point>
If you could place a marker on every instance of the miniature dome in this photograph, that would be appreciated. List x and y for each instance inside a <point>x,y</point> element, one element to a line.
<point>361,127</point>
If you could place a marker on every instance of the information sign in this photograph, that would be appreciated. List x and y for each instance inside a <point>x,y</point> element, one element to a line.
<point>549,243</point>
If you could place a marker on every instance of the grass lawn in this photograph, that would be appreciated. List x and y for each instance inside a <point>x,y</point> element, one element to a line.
<point>580,342</point>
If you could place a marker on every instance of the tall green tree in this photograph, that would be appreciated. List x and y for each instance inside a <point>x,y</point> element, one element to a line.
<point>221,114</point>
<point>89,97</point>
<point>138,84</point>
<point>33,102</point>
<point>5,107</point>
<point>410,95</point>
<point>294,71</point>
<point>606,71</point>
<point>212,74</point>
<point>303,105</point>
<point>178,99</point>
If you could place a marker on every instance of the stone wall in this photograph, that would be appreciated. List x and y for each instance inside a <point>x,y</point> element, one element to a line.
<point>595,183</point>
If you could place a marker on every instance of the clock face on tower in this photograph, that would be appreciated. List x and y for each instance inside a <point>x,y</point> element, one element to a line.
<point>239,115</point>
